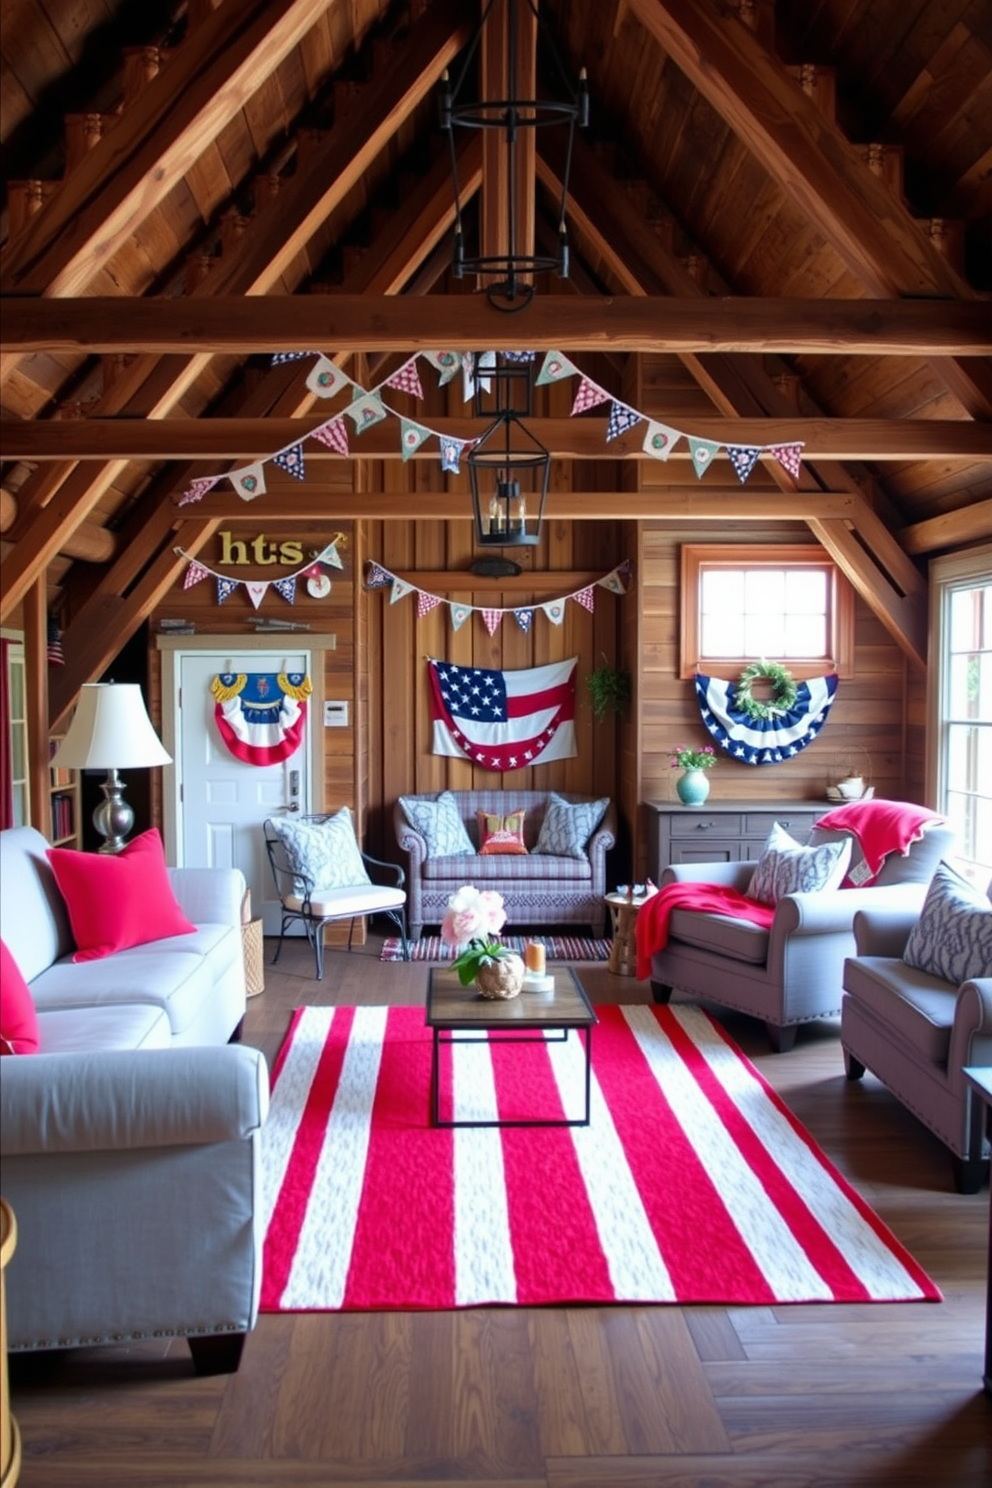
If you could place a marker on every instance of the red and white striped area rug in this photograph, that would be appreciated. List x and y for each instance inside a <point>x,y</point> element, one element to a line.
<point>693,1182</point>
<point>559,948</point>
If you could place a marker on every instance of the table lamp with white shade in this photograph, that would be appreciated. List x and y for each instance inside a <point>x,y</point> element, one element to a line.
<point>111,731</point>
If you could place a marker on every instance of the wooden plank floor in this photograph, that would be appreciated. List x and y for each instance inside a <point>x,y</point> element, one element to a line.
<point>580,1397</point>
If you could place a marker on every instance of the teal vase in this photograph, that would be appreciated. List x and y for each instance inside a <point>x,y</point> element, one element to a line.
<point>693,787</point>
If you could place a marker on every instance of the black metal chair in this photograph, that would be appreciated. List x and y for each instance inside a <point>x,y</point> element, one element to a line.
<point>304,902</point>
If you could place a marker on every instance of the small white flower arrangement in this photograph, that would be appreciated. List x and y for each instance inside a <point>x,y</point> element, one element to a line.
<point>473,920</point>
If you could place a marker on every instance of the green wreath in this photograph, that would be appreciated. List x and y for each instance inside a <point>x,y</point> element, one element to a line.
<point>784,693</point>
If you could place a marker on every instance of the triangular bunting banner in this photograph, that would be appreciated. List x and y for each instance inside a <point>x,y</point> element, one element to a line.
<point>555,611</point>
<point>400,589</point>
<point>334,434</point>
<point>789,456</point>
<point>660,440</point>
<point>249,481</point>
<point>197,489</point>
<point>377,577</point>
<point>426,603</point>
<point>194,573</point>
<point>519,356</point>
<point>613,582</point>
<point>555,367</point>
<point>451,453</point>
<point>287,588</point>
<point>525,619</point>
<point>366,411</point>
<point>291,460</point>
<point>225,588</point>
<point>257,590</point>
<point>325,378</point>
<point>459,614</point>
<point>586,598</point>
<point>702,451</point>
<point>412,437</point>
<point>288,356</point>
<point>743,457</point>
<point>330,556</point>
<point>588,396</point>
<point>492,619</point>
<point>407,379</point>
<point>446,362</point>
<point>621,419</point>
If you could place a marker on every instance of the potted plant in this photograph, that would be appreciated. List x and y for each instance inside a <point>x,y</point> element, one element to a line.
<point>609,687</point>
<point>472,922</point>
<point>693,786</point>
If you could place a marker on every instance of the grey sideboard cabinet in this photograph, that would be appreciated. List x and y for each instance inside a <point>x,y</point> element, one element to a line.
<point>721,831</point>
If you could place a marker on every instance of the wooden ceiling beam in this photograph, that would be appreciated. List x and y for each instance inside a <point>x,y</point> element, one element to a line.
<point>955,529</point>
<point>243,323</point>
<point>813,162</point>
<point>903,615</point>
<point>565,438</point>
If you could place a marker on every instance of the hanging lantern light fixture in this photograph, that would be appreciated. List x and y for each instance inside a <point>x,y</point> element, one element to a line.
<point>508,466</point>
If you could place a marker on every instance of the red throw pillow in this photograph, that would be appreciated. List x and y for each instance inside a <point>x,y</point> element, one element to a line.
<point>18,1019</point>
<point>501,834</point>
<point>117,901</point>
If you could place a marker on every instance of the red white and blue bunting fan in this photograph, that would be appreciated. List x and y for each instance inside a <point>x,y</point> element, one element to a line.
<point>261,715</point>
<point>763,733</point>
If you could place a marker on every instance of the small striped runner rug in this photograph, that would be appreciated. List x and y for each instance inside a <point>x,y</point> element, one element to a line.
<point>693,1182</point>
<point>559,948</point>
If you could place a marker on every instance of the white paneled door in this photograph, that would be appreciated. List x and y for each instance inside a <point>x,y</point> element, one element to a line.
<point>223,801</point>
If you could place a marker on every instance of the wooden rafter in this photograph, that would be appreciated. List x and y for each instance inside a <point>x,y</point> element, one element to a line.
<point>567,439</point>
<point>814,163</point>
<point>227,322</point>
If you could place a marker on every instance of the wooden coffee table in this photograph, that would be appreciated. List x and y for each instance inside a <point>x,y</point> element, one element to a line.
<point>454,1010</point>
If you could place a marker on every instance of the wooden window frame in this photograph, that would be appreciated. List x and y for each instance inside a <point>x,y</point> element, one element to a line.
<point>697,556</point>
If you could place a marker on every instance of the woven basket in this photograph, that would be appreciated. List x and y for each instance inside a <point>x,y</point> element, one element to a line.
<point>252,947</point>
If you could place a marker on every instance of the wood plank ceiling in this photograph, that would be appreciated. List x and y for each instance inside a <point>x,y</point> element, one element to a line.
<point>789,206</point>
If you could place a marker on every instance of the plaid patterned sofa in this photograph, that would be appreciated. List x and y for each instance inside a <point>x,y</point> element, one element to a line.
<point>537,889</point>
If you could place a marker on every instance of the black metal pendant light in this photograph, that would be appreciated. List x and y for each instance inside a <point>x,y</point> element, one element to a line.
<point>508,466</point>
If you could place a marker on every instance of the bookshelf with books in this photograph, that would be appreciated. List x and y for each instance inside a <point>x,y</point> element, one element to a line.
<point>64,802</point>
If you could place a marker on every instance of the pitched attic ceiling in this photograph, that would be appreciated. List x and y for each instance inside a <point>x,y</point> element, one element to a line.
<point>291,148</point>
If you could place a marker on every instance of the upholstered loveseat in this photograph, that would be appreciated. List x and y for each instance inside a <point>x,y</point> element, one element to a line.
<point>129,1142</point>
<point>538,888</point>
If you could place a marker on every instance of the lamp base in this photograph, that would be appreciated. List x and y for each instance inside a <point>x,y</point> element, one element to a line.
<point>114,817</point>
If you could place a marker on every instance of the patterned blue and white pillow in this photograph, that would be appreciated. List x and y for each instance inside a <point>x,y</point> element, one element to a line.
<point>325,851</point>
<point>786,867</point>
<point>568,825</point>
<point>439,823</point>
<point>953,936</point>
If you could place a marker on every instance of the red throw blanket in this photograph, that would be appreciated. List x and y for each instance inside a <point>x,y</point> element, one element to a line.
<point>881,827</point>
<point>651,930</point>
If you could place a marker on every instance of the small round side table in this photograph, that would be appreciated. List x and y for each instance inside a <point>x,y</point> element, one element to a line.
<point>623,952</point>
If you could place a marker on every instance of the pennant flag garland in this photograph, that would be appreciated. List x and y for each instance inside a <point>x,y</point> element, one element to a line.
<point>278,357</point>
<point>407,379</point>
<point>249,482</point>
<point>789,456</point>
<point>330,556</point>
<point>588,396</point>
<point>325,378</point>
<point>194,573</point>
<point>660,440</point>
<point>519,356</point>
<point>459,614</point>
<point>334,434</point>
<point>492,619</point>
<point>613,582</point>
<point>555,367</point>
<point>287,588</point>
<point>743,458</point>
<point>447,364</point>
<point>555,611</point>
<point>198,488</point>
<point>586,598</point>
<point>291,460</point>
<point>451,453</point>
<point>257,590</point>
<point>702,451</point>
<point>412,437</point>
<point>366,411</point>
<point>621,419</point>
<point>400,589</point>
<point>525,619</point>
<point>426,603</point>
<point>377,577</point>
<point>225,587</point>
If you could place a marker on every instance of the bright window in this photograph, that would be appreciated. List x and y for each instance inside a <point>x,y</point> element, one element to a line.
<point>961,753</point>
<point>743,603</point>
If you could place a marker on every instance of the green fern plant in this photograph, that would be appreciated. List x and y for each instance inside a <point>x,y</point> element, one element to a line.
<point>609,688</point>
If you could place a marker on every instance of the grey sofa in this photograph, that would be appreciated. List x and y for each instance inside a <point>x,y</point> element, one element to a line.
<point>537,889</point>
<point>791,972</point>
<point>130,1142</point>
<point>917,1032</point>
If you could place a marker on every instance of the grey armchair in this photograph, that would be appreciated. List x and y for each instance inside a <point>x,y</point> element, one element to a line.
<point>916,1033</point>
<point>791,972</point>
